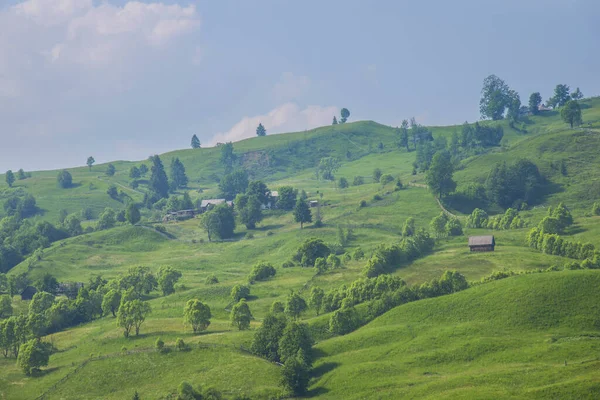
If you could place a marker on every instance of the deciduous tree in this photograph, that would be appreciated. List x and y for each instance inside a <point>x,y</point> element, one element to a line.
<point>132,213</point>
<point>534,103</point>
<point>10,178</point>
<point>571,113</point>
<point>111,302</point>
<point>241,315</point>
<point>110,170</point>
<point>131,315</point>
<point>64,179</point>
<point>345,113</point>
<point>33,355</point>
<point>197,314</point>
<point>439,176</point>
<point>90,161</point>
<point>494,98</point>
<point>302,212</point>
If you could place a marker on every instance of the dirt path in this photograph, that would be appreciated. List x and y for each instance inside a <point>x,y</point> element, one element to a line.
<point>421,185</point>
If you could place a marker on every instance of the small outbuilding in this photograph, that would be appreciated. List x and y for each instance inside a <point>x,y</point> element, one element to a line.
<point>482,243</point>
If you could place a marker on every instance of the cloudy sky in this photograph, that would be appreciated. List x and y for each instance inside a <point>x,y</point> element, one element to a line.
<point>121,79</point>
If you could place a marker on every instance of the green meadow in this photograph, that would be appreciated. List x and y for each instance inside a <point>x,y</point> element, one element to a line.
<point>507,339</point>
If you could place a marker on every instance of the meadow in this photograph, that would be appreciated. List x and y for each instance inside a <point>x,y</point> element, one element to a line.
<point>504,339</point>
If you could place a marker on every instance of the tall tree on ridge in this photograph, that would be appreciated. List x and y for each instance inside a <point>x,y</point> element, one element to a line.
<point>195,142</point>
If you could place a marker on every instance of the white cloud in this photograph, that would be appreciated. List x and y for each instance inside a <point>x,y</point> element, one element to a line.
<point>288,117</point>
<point>290,87</point>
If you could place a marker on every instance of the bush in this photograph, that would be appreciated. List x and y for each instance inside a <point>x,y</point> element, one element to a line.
<point>249,236</point>
<point>270,233</point>
<point>596,209</point>
<point>260,272</point>
<point>287,264</point>
<point>347,258</point>
<point>359,254</point>
<point>239,292</point>
<point>343,183</point>
<point>310,250</point>
<point>363,203</point>
<point>212,279</point>
<point>318,223</point>
<point>334,261</point>
<point>180,344</point>
<point>454,227</point>
<point>385,179</point>
<point>377,198</point>
<point>358,180</point>
<point>160,228</point>
<point>159,345</point>
<point>399,185</point>
<point>376,174</point>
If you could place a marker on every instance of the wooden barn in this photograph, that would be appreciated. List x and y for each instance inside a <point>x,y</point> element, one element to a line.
<point>482,243</point>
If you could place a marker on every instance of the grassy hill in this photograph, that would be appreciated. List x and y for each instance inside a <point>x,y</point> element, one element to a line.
<point>506,339</point>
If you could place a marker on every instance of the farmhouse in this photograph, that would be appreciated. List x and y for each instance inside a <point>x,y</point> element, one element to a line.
<point>206,205</point>
<point>180,215</point>
<point>28,292</point>
<point>482,243</point>
<point>273,196</point>
<point>313,203</point>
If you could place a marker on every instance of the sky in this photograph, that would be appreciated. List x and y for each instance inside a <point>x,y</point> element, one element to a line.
<point>121,80</point>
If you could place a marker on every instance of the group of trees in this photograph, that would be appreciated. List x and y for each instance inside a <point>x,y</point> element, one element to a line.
<point>509,185</point>
<point>387,258</point>
<point>551,243</point>
<point>11,177</point>
<point>569,102</point>
<point>497,98</point>
<point>443,225</point>
<point>344,115</point>
<point>509,220</point>
<point>282,339</point>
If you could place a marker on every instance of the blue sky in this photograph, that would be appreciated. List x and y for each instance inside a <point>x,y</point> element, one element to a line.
<point>119,79</point>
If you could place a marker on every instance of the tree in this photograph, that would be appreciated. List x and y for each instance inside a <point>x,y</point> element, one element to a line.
<point>134,172</point>
<point>241,315</point>
<point>327,167</point>
<point>335,121</point>
<point>260,190</point>
<point>571,113</point>
<point>138,279</point>
<point>21,174</point>
<point>377,174</point>
<point>260,130</point>
<point>454,227</point>
<point>239,292</point>
<point>90,161</point>
<point>408,229</point>
<point>110,170</point>
<point>167,277</point>
<point>111,302</point>
<point>345,114</point>
<point>10,178</point>
<point>404,135</point>
<point>195,142</point>
<point>287,197</point>
<point>385,179</point>
<point>47,283</point>
<point>158,183</point>
<point>439,176</point>
<point>132,214</point>
<point>316,298</point>
<point>73,225</point>
<point>494,98</point>
<point>228,157</point>
<point>64,179</point>
<point>233,184</point>
<point>477,219</point>
<point>219,222</point>
<point>513,105</point>
<point>302,212</point>
<point>197,314</point>
<point>343,321</point>
<point>561,96</point>
<point>265,342</point>
<point>438,225</point>
<point>295,305</point>
<point>33,355</point>
<point>132,314</point>
<point>343,183</point>
<point>295,376</point>
<point>6,309</point>
<point>296,337</point>
<point>106,219</point>
<point>534,103</point>
<point>178,177</point>
<point>577,95</point>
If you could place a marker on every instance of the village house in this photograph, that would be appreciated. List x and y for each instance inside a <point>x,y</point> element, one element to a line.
<point>482,243</point>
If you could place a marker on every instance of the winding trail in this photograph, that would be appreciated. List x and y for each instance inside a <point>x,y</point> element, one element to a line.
<point>421,185</point>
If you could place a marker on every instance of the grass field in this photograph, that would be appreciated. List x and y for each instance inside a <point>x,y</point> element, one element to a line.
<point>506,339</point>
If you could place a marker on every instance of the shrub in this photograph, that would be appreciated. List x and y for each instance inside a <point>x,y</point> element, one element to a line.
<point>376,174</point>
<point>363,203</point>
<point>347,258</point>
<point>318,223</point>
<point>377,198</point>
<point>334,261</point>
<point>310,250</point>
<point>239,292</point>
<point>180,344</point>
<point>212,279</point>
<point>270,233</point>
<point>399,185</point>
<point>359,254</point>
<point>596,209</point>
<point>385,179</point>
<point>358,180</point>
<point>260,272</point>
<point>249,236</point>
<point>287,264</point>
<point>343,183</point>
<point>454,227</point>
<point>159,345</point>
<point>160,228</point>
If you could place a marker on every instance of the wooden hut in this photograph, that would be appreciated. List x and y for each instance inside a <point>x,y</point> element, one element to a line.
<point>482,243</point>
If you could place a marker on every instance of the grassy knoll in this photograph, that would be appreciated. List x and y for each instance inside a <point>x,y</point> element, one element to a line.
<point>507,339</point>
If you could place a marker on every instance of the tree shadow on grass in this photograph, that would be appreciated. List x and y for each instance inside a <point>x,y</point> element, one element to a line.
<point>45,371</point>
<point>270,227</point>
<point>323,369</point>
<point>316,392</point>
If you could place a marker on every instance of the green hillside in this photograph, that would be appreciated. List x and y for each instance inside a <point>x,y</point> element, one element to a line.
<point>504,339</point>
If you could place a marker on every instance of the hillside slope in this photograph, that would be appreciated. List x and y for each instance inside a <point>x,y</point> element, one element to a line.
<point>508,339</point>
